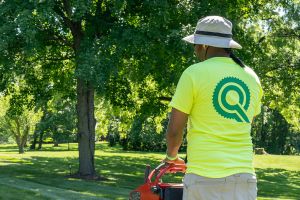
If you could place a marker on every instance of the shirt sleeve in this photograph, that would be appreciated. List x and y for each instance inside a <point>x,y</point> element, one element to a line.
<point>258,107</point>
<point>183,97</point>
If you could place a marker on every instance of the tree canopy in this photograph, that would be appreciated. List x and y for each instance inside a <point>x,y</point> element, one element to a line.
<point>130,53</point>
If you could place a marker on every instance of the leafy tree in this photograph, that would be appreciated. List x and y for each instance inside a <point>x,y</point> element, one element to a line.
<point>274,133</point>
<point>154,70</point>
<point>58,121</point>
<point>268,31</point>
<point>4,136</point>
<point>50,34</point>
<point>4,133</point>
<point>130,52</point>
<point>87,35</point>
<point>18,125</point>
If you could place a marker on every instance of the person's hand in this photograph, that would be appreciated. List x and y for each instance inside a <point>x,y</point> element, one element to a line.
<point>176,161</point>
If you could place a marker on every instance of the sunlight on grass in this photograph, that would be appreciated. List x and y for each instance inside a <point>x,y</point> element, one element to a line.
<point>278,176</point>
<point>277,161</point>
<point>36,173</point>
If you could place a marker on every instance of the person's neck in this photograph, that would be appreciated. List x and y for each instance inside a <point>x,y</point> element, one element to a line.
<point>216,52</point>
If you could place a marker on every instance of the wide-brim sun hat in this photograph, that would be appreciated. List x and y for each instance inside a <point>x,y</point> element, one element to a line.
<point>213,31</point>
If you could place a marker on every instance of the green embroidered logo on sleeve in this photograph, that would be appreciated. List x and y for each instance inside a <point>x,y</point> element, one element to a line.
<point>231,99</point>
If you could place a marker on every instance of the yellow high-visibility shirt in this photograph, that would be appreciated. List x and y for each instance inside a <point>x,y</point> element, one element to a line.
<point>221,99</point>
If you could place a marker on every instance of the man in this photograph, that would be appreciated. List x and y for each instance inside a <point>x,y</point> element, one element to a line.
<point>219,98</point>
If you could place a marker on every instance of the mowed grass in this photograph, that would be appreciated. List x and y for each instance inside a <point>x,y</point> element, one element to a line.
<point>43,174</point>
<point>278,176</point>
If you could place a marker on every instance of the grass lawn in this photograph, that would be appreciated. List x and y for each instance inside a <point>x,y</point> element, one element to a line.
<point>42,174</point>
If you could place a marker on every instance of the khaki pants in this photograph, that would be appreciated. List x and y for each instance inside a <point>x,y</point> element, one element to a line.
<point>241,186</point>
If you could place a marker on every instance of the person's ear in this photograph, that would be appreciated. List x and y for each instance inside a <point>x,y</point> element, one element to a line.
<point>197,47</point>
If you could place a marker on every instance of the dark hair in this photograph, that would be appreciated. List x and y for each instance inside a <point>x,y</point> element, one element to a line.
<point>235,58</point>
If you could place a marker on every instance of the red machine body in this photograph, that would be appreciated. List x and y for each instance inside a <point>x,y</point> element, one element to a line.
<point>155,189</point>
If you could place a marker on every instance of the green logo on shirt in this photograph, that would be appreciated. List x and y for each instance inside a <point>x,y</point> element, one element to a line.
<point>231,99</point>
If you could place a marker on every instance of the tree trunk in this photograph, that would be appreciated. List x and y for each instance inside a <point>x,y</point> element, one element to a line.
<point>18,136</point>
<point>41,140</point>
<point>21,149</point>
<point>24,138</point>
<point>55,143</point>
<point>38,129</point>
<point>86,128</point>
<point>85,101</point>
<point>262,130</point>
<point>35,136</point>
<point>19,143</point>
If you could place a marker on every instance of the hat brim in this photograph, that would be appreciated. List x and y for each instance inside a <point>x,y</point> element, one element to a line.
<point>214,41</point>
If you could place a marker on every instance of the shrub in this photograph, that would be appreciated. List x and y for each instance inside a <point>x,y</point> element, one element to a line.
<point>48,140</point>
<point>143,136</point>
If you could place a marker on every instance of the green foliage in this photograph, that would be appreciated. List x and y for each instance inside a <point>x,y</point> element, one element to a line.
<point>59,120</point>
<point>274,54</point>
<point>5,137</point>
<point>144,136</point>
<point>132,53</point>
<point>270,46</point>
<point>271,131</point>
<point>4,132</point>
<point>119,92</point>
<point>113,135</point>
<point>18,125</point>
<point>48,140</point>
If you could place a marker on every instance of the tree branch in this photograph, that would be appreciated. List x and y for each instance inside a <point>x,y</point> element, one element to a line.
<point>165,98</point>
<point>74,26</point>
<point>60,12</point>
<point>56,36</point>
<point>62,58</point>
<point>58,59</point>
<point>290,35</point>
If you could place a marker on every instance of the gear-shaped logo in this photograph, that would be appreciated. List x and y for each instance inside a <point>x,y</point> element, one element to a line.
<point>231,99</point>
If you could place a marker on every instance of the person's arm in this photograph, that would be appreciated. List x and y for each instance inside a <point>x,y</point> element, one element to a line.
<point>174,134</point>
<point>182,103</point>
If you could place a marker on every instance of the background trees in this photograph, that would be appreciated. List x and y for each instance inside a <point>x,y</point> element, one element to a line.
<point>18,124</point>
<point>131,55</point>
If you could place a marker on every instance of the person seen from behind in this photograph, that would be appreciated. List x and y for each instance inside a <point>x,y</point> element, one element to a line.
<point>218,98</point>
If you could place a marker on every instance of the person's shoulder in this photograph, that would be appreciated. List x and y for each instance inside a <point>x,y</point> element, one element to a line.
<point>252,73</point>
<point>192,69</point>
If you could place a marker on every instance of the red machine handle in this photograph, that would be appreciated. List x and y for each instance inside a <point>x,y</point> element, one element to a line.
<point>164,168</point>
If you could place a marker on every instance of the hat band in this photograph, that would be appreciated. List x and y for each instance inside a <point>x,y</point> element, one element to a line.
<point>214,34</point>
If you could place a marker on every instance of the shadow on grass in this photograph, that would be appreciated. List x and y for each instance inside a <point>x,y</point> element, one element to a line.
<point>102,146</point>
<point>124,173</point>
<point>278,183</point>
<point>47,147</point>
<point>9,148</point>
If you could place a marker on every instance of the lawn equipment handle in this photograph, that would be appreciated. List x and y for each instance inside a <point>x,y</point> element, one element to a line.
<point>164,168</point>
